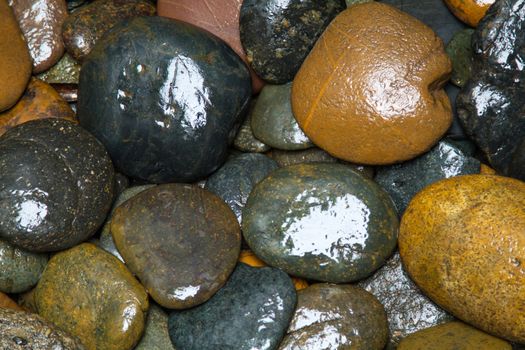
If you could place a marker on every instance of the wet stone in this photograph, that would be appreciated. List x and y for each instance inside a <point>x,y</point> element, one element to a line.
<point>311,155</point>
<point>156,336</point>
<point>251,311</point>
<point>245,141</point>
<point>333,317</point>
<point>459,50</point>
<point>320,221</point>
<point>180,240</point>
<point>66,71</point>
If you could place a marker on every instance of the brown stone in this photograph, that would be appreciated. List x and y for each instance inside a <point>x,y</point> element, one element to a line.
<point>370,91</point>
<point>8,303</point>
<point>15,61</point>
<point>462,241</point>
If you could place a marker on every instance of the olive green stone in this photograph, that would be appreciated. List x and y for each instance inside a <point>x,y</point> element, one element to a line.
<point>65,71</point>
<point>460,52</point>
<point>336,317</point>
<point>321,221</point>
<point>245,140</point>
<point>156,336</point>
<point>19,269</point>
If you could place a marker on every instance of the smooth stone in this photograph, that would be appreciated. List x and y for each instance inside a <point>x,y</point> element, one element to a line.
<point>469,11</point>
<point>180,240</point>
<point>459,50</point>
<point>85,27</point>
<point>21,330</point>
<point>396,68</point>
<point>90,294</point>
<point>39,101</point>
<point>8,303</point>
<point>173,119</point>
<point>15,60</point>
<point>19,270</point>
<point>273,121</point>
<point>336,317</point>
<point>66,71</point>
<point>277,36</point>
<point>517,164</point>
<point>403,181</point>
<point>407,308</point>
<point>41,23</point>
<point>218,17</point>
<point>452,335</point>
<point>491,106</point>
<point>461,241</point>
<point>251,311</point>
<point>320,221</point>
<point>234,181</point>
<point>245,141</point>
<point>69,92</point>
<point>56,186</point>
<point>156,335</point>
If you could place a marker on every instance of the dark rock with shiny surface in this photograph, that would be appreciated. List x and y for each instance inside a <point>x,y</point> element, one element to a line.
<point>320,221</point>
<point>164,115</point>
<point>56,186</point>
<point>336,317</point>
<point>491,105</point>
<point>277,36</point>
<point>234,181</point>
<point>403,181</point>
<point>251,311</point>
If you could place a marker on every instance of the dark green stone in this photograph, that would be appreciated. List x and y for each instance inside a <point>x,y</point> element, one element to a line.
<point>336,317</point>
<point>251,311</point>
<point>320,221</point>
<point>156,336</point>
<point>164,97</point>
<point>245,141</point>
<point>234,181</point>
<point>273,121</point>
<point>459,50</point>
<point>278,35</point>
<point>56,185</point>
<point>403,181</point>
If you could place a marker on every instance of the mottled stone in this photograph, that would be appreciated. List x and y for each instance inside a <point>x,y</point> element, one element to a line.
<point>83,29</point>
<point>407,308</point>
<point>56,186</point>
<point>74,5</point>
<point>277,35</point>
<point>403,181</point>
<point>21,331</point>
<point>66,71</point>
<point>180,240</point>
<point>245,141</point>
<point>461,241</point>
<point>491,105</point>
<point>8,303</point>
<point>336,317</point>
<point>175,112</point>
<point>156,336</point>
<point>273,122</point>
<point>320,221</point>
<point>234,181</point>
<point>459,50</point>
<point>90,294</point>
<point>251,311</point>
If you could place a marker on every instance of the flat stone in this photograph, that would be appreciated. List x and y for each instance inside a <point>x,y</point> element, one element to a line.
<point>251,311</point>
<point>173,119</point>
<point>65,71</point>
<point>336,317</point>
<point>156,336</point>
<point>459,50</point>
<point>245,141</point>
<point>8,303</point>
<point>56,186</point>
<point>320,221</point>
<point>90,294</point>
<point>180,240</point>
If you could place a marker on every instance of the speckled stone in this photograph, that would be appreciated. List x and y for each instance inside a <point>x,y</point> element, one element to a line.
<point>452,335</point>
<point>461,241</point>
<point>407,308</point>
<point>8,303</point>
<point>245,141</point>
<point>251,311</point>
<point>176,112</point>
<point>273,122</point>
<point>336,317</point>
<point>459,50</point>
<point>19,270</point>
<point>83,29</point>
<point>56,186</point>
<point>66,71</point>
<point>156,336</point>
<point>355,2</point>
<point>234,181</point>
<point>90,294</point>
<point>403,181</point>
<point>277,36</point>
<point>180,240</point>
<point>21,331</point>
<point>491,105</point>
<point>320,221</point>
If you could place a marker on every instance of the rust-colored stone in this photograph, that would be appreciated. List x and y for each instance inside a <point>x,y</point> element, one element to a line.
<point>469,11</point>
<point>8,303</point>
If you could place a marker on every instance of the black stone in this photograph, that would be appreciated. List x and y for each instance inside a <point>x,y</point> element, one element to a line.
<point>277,36</point>
<point>251,311</point>
<point>56,185</point>
<point>164,97</point>
<point>491,106</point>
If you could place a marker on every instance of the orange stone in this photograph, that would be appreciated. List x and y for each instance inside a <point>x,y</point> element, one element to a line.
<point>8,303</point>
<point>371,89</point>
<point>486,170</point>
<point>469,11</point>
